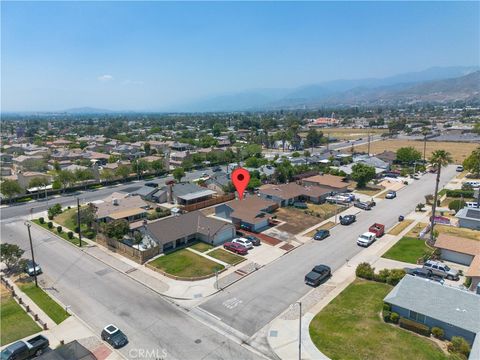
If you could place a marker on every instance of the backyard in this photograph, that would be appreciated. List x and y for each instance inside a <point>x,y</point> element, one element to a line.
<point>360,330</point>
<point>186,264</point>
<point>44,302</point>
<point>15,323</point>
<point>408,249</point>
<point>226,256</point>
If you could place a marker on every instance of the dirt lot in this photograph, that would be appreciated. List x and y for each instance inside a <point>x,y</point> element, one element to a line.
<point>296,220</point>
<point>349,133</point>
<point>458,150</point>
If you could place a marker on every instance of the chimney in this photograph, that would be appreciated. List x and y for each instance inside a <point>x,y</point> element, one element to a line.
<point>115,202</point>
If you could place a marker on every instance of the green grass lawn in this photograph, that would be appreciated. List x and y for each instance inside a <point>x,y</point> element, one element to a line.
<point>407,249</point>
<point>185,263</point>
<point>225,256</point>
<point>15,323</point>
<point>350,327</point>
<point>63,234</point>
<point>201,246</point>
<point>66,220</point>
<point>45,302</point>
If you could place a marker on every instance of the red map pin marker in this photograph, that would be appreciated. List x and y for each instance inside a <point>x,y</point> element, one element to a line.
<point>240,179</point>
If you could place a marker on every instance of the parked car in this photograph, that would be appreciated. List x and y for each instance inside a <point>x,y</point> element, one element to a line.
<point>114,336</point>
<point>300,205</point>
<point>317,275</point>
<point>378,229</point>
<point>254,240</point>
<point>28,349</point>
<point>216,169</point>
<point>441,269</point>
<point>416,176</point>
<point>473,184</point>
<point>391,195</point>
<point>151,184</point>
<point>363,205</point>
<point>459,168</point>
<point>243,241</point>
<point>321,234</point>
<point>235,248</point>
<point>424,273</point>
<point>366,239</point>
<point>32,270</point>
<point>347,219</point>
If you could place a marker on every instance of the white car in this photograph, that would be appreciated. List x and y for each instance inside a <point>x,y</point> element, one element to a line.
<point>473,184</point>
<point>244,242</point>
<point>366,239</point>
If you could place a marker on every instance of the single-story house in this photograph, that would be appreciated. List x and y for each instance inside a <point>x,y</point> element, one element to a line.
<point>287,194</point>
<point>175,231</point>
<point>461,251</point>
<point>252,212</point>
<point>184,194</point>
<point>217,182</point>
<point>328,182</point>
<point>25,177</point>
<point>121,205</point>
<point>372,161</point>
<point>469,218</point>
<point>388,156</point>
<point>146,193</point>
<point>454,310</point>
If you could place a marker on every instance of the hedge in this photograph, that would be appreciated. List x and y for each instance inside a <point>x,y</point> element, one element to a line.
<point>459,193</point>
<point>392,277</point>
<point>414,326</point>
<point>438,332</point>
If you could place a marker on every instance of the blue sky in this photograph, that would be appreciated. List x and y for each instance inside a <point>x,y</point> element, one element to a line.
<point>150,55</point>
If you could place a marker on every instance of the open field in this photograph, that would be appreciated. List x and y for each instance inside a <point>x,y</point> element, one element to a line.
<point>397,229</point>
<point>341,322</point>
<point>408,249</point>
<point>45,302</point>
<point>15,323</point>
<point>226,256</point>
<point>349,133</point>
<point>458,150</point>
<point>186,264</point>
<point>455,231</point>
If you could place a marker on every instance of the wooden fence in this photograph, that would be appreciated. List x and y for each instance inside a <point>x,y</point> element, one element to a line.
<point>129,252</point>
<point>209,202</point>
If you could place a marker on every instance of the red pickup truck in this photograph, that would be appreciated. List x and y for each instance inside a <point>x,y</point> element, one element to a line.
<point>377,229</point>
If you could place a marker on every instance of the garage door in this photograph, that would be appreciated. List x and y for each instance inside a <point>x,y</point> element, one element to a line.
<point>456,257</point>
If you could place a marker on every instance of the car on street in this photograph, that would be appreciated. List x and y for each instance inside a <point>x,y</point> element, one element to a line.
<point>416,176</point>
<point>391,195</point>
<point>151,184</point>
<point>378,229</point>
<point>321,234</point>
<point>32,269</point>
<point>244,242</point>
<point>441,269</point>
<point>114,336</point>
<point>317,275</point>
<point>254,240</point>
<point>25,349</point>
<point>235,248</point>
<point>424,273</point>
<point>473,184</point>
<point>363,205</point>
<point>366,239</point>
<point>459,168</point>
<point>347,219</point>
<point>216,169</point>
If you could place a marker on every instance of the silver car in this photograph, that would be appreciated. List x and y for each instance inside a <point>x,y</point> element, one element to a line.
<point>242,241</point>
<point>441,269</point>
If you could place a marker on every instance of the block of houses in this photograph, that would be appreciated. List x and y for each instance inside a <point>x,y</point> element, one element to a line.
<point>287,194</point>
<point>328,182</point>
<point>121,205</point>
<point>177,231</point>
<point>20,161</point>
<point>469,218</point>
<point>461,251</point>
<point>454,310</point>
<point>184,194</point>
<point>252,213</point>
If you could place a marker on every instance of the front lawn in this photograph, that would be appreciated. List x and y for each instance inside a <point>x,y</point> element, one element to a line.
<point>45,302</point>
<point>201,246</point>
<point>15,323</point>
<point>408,249</point>
<point>226,256</point>
<point>63,234</point>
<point>415,232</point>
<point>186,264</point>
<point>350,327</point>
<point>397,229</point>
<point>370,190</point>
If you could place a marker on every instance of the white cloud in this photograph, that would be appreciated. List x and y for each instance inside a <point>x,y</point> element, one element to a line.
<point>105,78</point>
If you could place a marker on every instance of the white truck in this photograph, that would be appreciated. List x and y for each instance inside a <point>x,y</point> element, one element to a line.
<point>366,239</point>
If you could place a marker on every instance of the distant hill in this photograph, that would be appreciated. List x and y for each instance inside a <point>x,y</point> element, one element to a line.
<point>87,110</point>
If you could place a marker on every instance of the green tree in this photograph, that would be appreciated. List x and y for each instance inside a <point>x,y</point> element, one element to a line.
<point>157,166</point>
<point>178,174</point>
<point>439,159</point>
<point>10,188</point>
<point>408,155</point>
<point>82,144</point>
<point>140,167</point>
<point>35,165</point>
<point>362,174</point>
<point>472,162</point>
<point>147,148</point>
<point>40,182</point>
<point>123,171</point>
<point>88,215</point>
<point>284,171</point>
<point>116,229</point>
<point>10,255</point>
<point>476,128</point>
<point>65,178</point>
<point>83,175</point>
<point>107,175</point>
<point>313,139</point>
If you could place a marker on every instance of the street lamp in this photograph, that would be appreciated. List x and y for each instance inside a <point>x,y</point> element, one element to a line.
<point>28,225</point>
<point>299,329</point>
<point>79,223</point>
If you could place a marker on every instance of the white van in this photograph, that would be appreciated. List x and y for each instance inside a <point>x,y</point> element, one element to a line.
<point>471,204</point>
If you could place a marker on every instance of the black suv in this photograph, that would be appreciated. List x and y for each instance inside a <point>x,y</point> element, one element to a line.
<point>347,219</point>
<point>317,275</point>
<point>114,336</point>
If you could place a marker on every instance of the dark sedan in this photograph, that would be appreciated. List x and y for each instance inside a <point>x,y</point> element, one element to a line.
<point>347,219</point>
<point>235,248</point>
<point>321,234</point>
<point>254,240</point>
<point>317,275</point>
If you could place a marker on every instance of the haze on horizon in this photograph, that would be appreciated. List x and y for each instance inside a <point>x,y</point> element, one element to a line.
<point>158,55</point>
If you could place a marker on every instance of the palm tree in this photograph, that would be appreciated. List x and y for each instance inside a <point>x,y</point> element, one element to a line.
<point>439,159</point>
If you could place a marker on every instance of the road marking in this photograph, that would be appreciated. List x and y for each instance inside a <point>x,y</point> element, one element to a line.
<point>232,303</point>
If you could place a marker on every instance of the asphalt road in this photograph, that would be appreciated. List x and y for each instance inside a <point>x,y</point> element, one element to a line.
<point>250,304</point>
<point>99,295</point>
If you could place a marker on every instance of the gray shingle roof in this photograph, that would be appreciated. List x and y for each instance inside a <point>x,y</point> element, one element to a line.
<point>451,305</point>
<point>469,213</point>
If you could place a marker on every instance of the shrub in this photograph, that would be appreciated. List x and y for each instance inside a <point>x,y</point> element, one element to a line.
<point>69,207</point>
<point>386,315</point>
<point>70,234</point>
<point>395,276</point>
<point>41,220</point>
<point>54,210</point>
<point>158,209</point>
<point>89,234</point>
<point>77,229</point>
<point>438,332</point>
<point>382,275</point>
<point>59,229</point>
<point>50,225</point>
<point>459,193</point>
<point>394,317</point>
<point>458,345</point>
<point>50,217</point>
<point>365,271</point>
<point>414,326</point>
<point>386,307</point>
<point>468,282</point>
<point>456,205</point>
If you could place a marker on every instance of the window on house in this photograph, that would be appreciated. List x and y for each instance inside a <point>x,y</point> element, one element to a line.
<point>416,316</point>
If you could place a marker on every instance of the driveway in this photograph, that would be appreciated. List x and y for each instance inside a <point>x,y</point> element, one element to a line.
<point>263,295</point>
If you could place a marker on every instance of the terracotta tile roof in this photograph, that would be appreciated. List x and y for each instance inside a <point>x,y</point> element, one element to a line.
<point>292,190</point>
<point>458,244</point>
<point>251,209</point>
<point>327,180</point>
